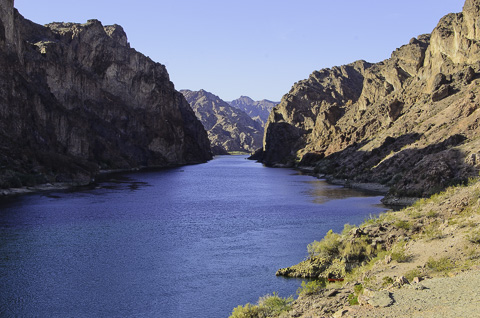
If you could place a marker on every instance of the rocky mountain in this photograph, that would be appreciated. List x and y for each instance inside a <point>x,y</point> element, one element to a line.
<point>229,129</point>
<point>258,110</point>
<point>410,122</point>
<point>75,99</point>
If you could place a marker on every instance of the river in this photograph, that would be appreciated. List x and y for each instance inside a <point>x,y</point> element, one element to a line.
<point>193,241</point>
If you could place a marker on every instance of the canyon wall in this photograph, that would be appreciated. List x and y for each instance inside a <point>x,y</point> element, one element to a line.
<point>76,99</point>
<point>410,122</point>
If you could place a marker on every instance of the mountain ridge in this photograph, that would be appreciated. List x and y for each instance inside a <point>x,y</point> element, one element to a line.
<point>229,128</point>
<point>258,110</point>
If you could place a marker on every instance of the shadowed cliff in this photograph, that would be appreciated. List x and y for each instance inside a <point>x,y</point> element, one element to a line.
<point>76,99</point>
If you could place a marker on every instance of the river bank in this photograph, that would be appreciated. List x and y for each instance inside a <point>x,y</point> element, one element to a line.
<point>436,238</point>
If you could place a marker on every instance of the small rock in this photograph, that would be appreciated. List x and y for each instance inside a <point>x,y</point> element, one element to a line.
<point>416,280</point>
<point>363,300</point>
<point>340,313</point>
<point>440,93</point>
<point>381,299</point>
<point>418,287</point>
<point>402,280</point>
<point>388,259</point>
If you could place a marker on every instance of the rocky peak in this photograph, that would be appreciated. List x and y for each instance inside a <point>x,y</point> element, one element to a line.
<point>117,33</point>
<point>258,110</point>
<point>229,129</point>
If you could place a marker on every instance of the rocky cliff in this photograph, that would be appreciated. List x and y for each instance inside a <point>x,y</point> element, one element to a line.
<point>229,129</point>
<point>75,99</point>
<point>258,110</point>
<point>410,122</point>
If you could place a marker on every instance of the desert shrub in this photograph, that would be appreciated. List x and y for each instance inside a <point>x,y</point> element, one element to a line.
<point>387,280</point>
<point>358,249</point>
<point>432,231</point>
<point>347,228</point>
<point>312,287</point>
<point>419,204</point>
<point>353,299</point>
<point>411,274</point>
<point>443,264</point>
<point>274,305</point>
<point>358,289</point>
<point>327,247</point>
<point>474,236</point>
<point>268,306</point>
<point>399,254</point>
<point>414,214</point>
<point>431,214</point>
<point>403,224</point>
<point>247,311</point>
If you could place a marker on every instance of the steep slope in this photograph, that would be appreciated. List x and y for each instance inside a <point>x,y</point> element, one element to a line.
<point>258,110</point>
<point>75,98</point>
<point>410,122</point>
<point>229,129</point>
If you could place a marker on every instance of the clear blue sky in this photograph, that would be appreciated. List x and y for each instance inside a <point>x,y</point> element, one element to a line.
<point>258,48</point>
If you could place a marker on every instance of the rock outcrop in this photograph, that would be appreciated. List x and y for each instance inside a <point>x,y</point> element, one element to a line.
<point>229,128</point>
<point>410,122</point>
<point>258,110</point>
<point>75,99</point>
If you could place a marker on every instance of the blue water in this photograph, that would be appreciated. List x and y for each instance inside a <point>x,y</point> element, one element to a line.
<point>194,241</point>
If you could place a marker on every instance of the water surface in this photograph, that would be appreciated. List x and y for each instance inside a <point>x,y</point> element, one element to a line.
<point>194,241</point>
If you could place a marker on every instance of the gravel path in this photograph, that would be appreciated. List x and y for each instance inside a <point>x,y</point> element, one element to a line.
<point>457,296</point>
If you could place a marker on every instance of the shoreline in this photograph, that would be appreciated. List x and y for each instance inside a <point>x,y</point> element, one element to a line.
<point>41,188</point>
<point>100,176</point>
<point>373,187</point>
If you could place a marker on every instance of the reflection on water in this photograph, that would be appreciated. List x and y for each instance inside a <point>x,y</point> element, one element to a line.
<point>321,191</point>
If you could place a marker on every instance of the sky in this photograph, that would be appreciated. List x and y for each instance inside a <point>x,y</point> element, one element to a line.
<point>255,48</point>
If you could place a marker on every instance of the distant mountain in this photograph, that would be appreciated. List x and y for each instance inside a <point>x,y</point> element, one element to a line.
<point>258,110</point>
<point>229,128</point>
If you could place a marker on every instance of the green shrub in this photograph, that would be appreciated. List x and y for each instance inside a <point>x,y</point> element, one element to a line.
<point>402,224</point>
<point>347,228</point>
<point>274,305</point>
<point>358,289</point>
<point>432,231</point>
<point>386,281</point>
<point>443,264</point>
<point>247,311</point>
<point>312,287</point>
<point>411,274</point>
<point>474,236</point>
<point>352,299</point>
<point>268,306</point>
<point>358,249</point>
<point>400,255</point>
<point>327,247</point>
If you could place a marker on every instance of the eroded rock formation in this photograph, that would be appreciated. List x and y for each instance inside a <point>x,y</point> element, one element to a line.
<point>410,122</point>
<point>75,99</point>
<point>229,128</point>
